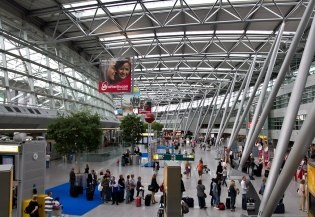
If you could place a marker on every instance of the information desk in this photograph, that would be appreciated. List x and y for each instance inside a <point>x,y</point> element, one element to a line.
<point>178,157</point>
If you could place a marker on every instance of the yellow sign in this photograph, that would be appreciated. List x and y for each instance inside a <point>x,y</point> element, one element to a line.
<point>311,178</point>
<point>9,148</point>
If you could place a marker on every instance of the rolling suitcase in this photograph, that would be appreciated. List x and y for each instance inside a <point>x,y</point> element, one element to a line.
<point>138,201</point>
<point>228,203</point>
<point>250,205</point>
<point>147,199</point>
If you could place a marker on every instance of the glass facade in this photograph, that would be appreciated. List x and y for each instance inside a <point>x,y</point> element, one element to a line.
<point>47,76</point>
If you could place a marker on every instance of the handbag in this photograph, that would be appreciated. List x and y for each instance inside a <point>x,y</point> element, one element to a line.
<point>205,195</point>
<point>150,188</point>
<point>100,187</point>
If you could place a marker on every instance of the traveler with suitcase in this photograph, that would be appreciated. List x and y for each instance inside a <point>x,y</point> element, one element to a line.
<point>232,193</point>
<point>153,187</point>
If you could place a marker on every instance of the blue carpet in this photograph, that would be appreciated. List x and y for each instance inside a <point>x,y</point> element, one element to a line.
<point>74,205</point>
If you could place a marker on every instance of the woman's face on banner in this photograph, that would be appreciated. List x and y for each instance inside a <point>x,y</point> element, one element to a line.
<point>111,72</point>
<point>124,71</point>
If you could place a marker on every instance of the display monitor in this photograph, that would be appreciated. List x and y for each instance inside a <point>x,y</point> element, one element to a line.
<point>8,159</point>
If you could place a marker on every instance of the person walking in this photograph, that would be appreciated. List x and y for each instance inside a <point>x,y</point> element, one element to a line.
<point>34,207</point>
<point>200,168</point>
<point>263,186</point>
<point>201,194</point>
<point>49,203</point>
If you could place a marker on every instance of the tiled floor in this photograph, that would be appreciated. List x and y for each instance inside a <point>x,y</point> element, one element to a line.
<point>58,174</point>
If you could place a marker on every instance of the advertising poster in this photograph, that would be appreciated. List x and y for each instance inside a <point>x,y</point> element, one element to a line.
<point>115,76</point>
<point>132,99</point>
<point>145,107</point>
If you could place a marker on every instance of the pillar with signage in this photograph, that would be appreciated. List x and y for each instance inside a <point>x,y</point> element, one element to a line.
<point>172,189</point>
<point>6,187</point>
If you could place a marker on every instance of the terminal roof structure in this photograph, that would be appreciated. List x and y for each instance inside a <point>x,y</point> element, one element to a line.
<point>182,49</point>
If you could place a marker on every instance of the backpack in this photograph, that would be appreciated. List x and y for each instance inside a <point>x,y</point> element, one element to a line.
<point>185,208</point>
<point>28,209</point>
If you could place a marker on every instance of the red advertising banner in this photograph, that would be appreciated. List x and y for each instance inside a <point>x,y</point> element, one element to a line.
<point>115,76</point>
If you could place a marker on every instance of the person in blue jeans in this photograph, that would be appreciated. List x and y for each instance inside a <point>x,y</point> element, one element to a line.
<point>232,193</point>
<point>215,193</point>
<point>244,186</point>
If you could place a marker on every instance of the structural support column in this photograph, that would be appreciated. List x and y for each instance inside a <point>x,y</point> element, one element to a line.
<point>235,102</point>
<point>251,98</point>
<point>218,112</point>
<point>212,112</point>
<point>201,109</point>
<point>248,146</point>
<point>300,147</point>
<point>186,124</point>
<point>290,116</point>
<point>207,111</point>
<point>167,111</point>
<point>197,108</point>
<point>233,133</point>
<point>283,70</point>
<point>225,112</point>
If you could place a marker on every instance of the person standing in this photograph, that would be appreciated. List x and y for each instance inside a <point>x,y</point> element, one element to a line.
<point>201,194</point>
<point>154,188</point>
<point>224,176</point>
<point>113,184</point>
<point>232,193</point>
<point>127,189</point>
<point>47,159</point>
<point>132,187</point>
<point>72,178</point>
<point>139,187</point>
<point>215,193</point>
<point>301,192</point>
<point>244,187</point>
<point>122,185</point>
<point>49,203</point>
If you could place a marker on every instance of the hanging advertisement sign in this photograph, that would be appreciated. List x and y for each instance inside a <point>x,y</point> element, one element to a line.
<point>115,76</point>
<point>132,99</point>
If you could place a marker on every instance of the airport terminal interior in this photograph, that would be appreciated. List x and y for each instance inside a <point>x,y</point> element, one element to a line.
<point>223,91</point>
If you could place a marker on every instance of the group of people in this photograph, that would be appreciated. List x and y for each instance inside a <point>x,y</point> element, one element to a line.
<point>215,187</point>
